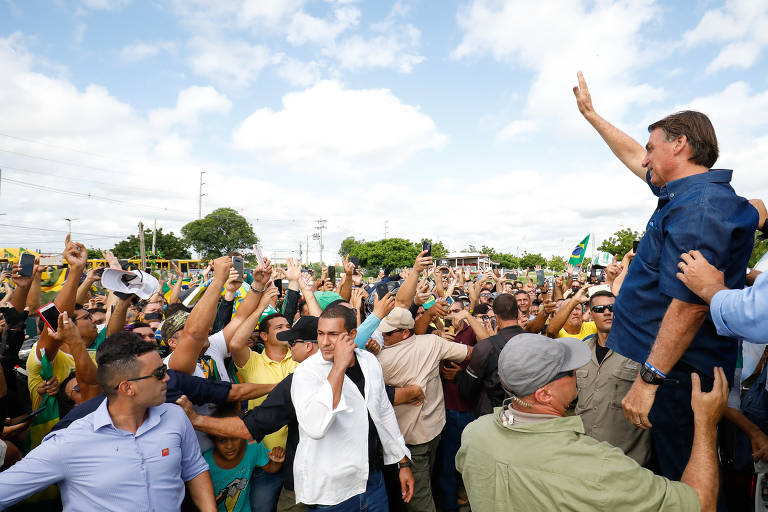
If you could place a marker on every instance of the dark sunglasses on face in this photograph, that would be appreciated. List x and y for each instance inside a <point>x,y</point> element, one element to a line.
<point>601,309</point>
<point>291,343</point>
<point>158,373</point>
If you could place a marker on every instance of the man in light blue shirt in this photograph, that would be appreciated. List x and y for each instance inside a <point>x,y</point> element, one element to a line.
<point>134,452</point>
<point>735,313</point>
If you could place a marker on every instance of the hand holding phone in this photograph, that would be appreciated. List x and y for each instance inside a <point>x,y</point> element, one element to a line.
<point>237,264</point>
<point>27,262</point>
<point>50,315</point>
<point>427,246</point>
<point>634,246</point>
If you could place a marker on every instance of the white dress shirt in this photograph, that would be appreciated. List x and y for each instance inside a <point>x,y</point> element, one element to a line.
<point>331,463</point>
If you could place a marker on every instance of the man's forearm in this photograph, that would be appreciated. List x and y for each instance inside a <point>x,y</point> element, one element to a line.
<point>336,378</point>
<point>701,470</point>
<point>19,298</point>
<point>248,391</point>
<point>477,326</point>
<point>407,291</point>
<point>680,324</point>
<point>223,427</point>
<point>85,369</point>
<point>65,300</point>
<point>201,491</point>
<point>33,297</point>
<point>561,316</point>
<point>201,318</point>
<point>117,318</point>
<point>627,149</point>
<point>84,291</point>
<point>539,323</point>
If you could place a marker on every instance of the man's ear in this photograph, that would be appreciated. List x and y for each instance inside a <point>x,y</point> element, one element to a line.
<point>353,333</point>
<point>263,336</point>
<point>680,144</point>
<point>543,395</point>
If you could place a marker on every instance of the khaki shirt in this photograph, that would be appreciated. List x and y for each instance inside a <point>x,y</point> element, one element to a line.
<point>601,389</point>
<point>554,465</point>
<point>416,360</point>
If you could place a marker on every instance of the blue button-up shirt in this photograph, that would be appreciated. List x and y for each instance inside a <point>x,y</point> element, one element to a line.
<point>699,212</point>
<point>99,467</point>
<point>743,313</point>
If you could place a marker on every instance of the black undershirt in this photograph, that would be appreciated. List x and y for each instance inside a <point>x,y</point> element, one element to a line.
<point>375,450</point>
<point>601,352</point>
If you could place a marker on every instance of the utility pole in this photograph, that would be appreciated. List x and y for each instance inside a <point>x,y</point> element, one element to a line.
<point>200,198</point>
<point>321,225</point>
<point>301,254</point>
<point>386,229</point>
<point>142,255</point>
<point>154,239</point>
<point>307,250</point>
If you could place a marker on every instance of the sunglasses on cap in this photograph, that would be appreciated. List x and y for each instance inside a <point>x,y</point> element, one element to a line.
<point>158,373</point>
<point>603,308</point>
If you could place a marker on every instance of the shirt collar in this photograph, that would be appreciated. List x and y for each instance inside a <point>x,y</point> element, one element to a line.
<point>673,188</point>
<point>553,425</point>
<point>101,418</point>
<point>287,357</point>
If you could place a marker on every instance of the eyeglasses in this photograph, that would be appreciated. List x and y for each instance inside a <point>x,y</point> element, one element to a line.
<point>291,343</point>
<point>390,333</point>
<point>561,375</point>
<point>601,309</point>
<point>158,373</point>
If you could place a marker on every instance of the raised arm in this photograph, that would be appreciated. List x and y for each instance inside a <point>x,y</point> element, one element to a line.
<point>238,346</point>
<point>23,285</point>
<point>262,280</point>
<point>345,286</point>
<point>194,336</point>
<point>627,149</point>
<point>84,290</point>
<point>117,318</point>
<point>407,290</point>
<point>558,321</point>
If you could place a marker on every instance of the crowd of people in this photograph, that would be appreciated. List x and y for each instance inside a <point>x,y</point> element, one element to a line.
<point>433,388</point>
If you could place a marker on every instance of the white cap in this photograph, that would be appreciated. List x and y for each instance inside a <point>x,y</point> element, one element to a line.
<point>135,281</point>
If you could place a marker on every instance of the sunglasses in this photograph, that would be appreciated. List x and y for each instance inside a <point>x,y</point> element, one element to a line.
<point>291,343</point>
<point>158,373</point>
<point>602,309</point>
<point>390,333</point>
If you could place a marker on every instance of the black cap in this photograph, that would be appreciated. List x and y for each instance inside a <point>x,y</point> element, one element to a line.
<point>304,329</point>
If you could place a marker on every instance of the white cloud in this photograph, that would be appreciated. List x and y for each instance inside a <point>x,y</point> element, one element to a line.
<point>517,128</point>
<point>305,28</point>
<point>105,5</point>
<point>330,128</point>
<point>742,23</point>
<point>139,51</point>
<point>395,48</point>
<point>191,102</point>
<point>270,11</point>
<point>235,63</point>
<point>80,32</point>
<point>299,73</point>
<point>554,40</point>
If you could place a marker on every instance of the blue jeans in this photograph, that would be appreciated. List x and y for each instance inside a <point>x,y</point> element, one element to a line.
<point>450,441</point>
<point>374,499</point>
<point>265,490</point>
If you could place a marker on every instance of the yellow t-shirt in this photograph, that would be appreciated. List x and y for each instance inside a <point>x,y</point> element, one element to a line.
<point>62,364</point>
<point>260,369</point>
<point>587,329</point>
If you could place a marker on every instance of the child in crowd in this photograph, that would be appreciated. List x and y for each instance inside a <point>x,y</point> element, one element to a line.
<point>231,462</point>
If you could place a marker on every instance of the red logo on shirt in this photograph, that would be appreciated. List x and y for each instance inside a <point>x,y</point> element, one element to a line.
<point>165,452</point>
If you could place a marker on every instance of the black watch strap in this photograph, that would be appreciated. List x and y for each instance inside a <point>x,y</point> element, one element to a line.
<point>407,464</point>
<point>651,377</point>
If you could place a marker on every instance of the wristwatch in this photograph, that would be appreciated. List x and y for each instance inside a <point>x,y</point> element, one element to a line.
<point>650,377</point>
<point>407,464</point>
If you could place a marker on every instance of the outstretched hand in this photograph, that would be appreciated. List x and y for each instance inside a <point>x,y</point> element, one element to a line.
<point>583,98</point>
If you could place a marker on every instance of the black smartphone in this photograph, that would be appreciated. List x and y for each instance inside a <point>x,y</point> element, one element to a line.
<point>634,245</point>
<point>427,246</point>
<point>381,290</point>
<point>355,261</point>
<point>237,264</point>
<point>279,285</point>
<point>448,322</point>
<point>540,277</point>
<point>332,273</point>
<point>50,315</point>
<point>184,268</point>
<point>27,262</point>
<point>100,271</point>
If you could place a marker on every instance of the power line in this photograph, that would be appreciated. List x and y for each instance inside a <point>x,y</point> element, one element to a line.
<point>63,147</point>
<point>56,161</point>
<point>36,228</point>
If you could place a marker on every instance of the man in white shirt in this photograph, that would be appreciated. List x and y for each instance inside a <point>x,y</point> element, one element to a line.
<point>347,427</point>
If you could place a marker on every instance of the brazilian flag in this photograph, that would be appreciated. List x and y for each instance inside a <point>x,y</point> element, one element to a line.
<point>577,256</point>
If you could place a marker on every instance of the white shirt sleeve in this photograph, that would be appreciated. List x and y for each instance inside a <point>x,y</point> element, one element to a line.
<point>312,398</point>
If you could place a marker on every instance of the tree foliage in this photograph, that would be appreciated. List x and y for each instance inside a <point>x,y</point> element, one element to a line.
<point>557,263</point>
<point>621,242</point>
<point>169,245</point>
<point>531,260</point>
<point>760,248</point>
<point>504,259</point>
<point>221,231</point>
<point>388,253</point>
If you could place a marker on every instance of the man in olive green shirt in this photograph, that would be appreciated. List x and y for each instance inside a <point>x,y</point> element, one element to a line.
<point>603,382</point>
<point>528,456</point>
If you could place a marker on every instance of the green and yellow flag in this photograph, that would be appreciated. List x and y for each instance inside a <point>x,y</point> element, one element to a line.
<point>577,256</point>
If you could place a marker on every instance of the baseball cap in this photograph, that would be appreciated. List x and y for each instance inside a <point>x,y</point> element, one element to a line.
<point>529,361</point>
<point>324,299</point>
<point>398,318</point>
<point>305,329</point>
<point>173,324</point>
<point>134,281</point>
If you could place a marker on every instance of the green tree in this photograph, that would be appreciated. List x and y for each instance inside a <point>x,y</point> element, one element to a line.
<point>347,245</point>
<point>621,242</point>
<point>760,248</point>
<point>221,231</point>
<point>531,260</point>
<point>557,263</point>
<point>169,245</point>
<point>504,259</point>
<point>387,253</point>
<point>94,254</point>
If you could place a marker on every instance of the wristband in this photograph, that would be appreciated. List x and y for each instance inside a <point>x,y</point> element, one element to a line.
<point>655,370</point>
<point>259,291</point>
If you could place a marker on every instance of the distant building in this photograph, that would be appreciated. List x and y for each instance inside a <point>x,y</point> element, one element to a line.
<point>474,260</point>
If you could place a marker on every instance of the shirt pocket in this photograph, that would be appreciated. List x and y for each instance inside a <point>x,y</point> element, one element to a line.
<point>649,250</point>
<point>622,379</point>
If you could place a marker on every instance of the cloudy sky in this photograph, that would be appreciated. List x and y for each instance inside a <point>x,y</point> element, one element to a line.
<point>447,119</point>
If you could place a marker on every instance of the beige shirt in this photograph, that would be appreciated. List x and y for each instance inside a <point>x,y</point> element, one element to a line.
<point>416,360</point>
<point>601,389</point>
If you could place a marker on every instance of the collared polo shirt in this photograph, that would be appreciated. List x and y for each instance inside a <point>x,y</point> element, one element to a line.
<point>741,313</point>
<point>260,369</point>
<point>98,466</point>
<point>416,360</point>
<point>554,465</point>
<point>602,386</point>
<point>700,212</point>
